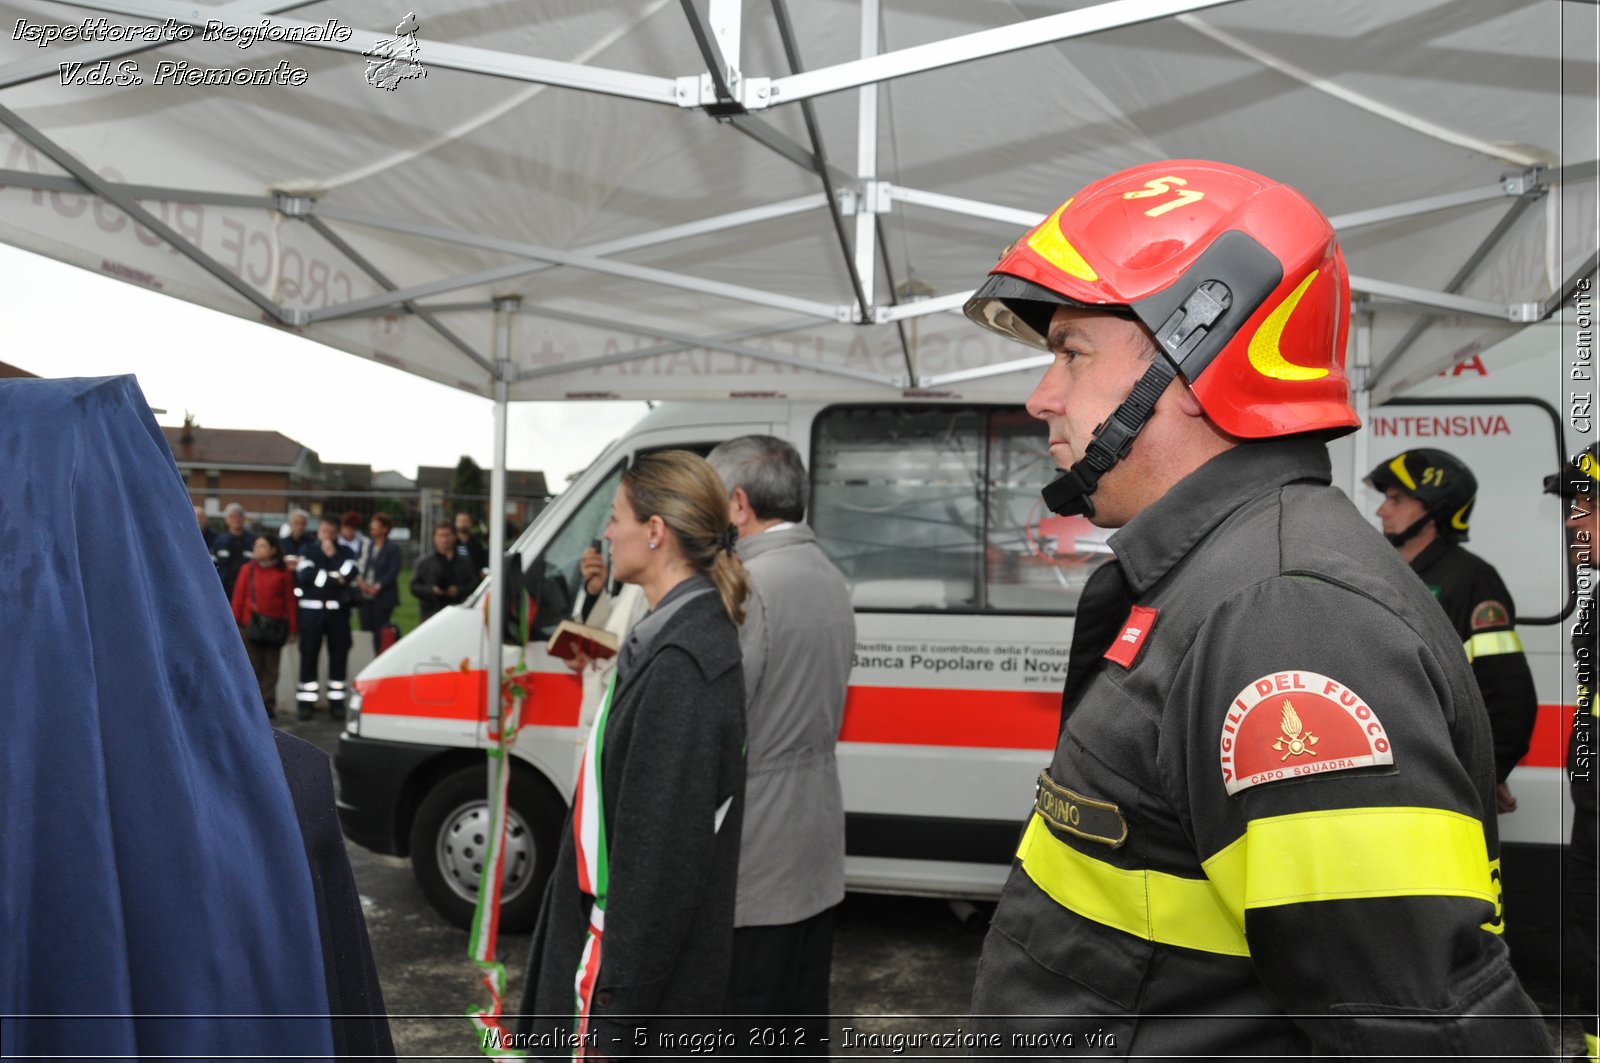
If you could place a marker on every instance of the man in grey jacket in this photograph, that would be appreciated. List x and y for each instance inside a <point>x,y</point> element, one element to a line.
<point>797,639</point>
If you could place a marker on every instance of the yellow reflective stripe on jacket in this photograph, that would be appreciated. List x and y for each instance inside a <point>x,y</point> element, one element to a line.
<point>1497,925</point>
<point>1492,642</point>
<point>1167,909</point>
<point>1343,854</point>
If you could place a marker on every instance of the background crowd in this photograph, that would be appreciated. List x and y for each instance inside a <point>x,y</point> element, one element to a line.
<point>308,588</point>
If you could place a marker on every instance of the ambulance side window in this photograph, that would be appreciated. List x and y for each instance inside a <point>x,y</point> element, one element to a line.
<point>1036,561</point>
<point>936,508</point>
<point>560,577</point>
<point>896,502</point>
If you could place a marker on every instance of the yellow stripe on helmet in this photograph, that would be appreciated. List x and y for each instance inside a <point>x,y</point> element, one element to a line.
<point>1398,467</point>
<point>1264,354</point>
<point>1056,249</point>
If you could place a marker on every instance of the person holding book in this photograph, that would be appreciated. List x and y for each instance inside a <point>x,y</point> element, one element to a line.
<point>638,914</point>
<point>587,641</point>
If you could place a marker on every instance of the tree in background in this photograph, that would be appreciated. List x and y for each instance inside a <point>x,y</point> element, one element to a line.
<point>467,490</point>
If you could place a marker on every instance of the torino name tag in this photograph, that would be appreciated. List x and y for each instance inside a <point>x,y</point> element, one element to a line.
<point>1098,821</point>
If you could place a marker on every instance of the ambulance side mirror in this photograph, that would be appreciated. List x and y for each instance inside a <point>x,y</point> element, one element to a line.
<point>513,601</point>
<point>549,597</point>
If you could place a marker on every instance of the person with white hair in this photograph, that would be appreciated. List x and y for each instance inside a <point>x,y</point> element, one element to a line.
<point>797,639</point>
<point>296,537</point>
<point>230,547</point>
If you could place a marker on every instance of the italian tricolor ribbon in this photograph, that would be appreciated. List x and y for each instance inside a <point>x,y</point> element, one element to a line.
<point>589,832</point>
<point>493,1039</point>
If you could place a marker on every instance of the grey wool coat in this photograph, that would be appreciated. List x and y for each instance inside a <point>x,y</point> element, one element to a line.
<point>673,753</point>
<point>798,638</point>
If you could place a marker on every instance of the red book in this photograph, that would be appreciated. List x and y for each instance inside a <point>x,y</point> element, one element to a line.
<point>571,638</point>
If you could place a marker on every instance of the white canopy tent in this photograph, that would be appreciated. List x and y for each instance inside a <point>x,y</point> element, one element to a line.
<point>582,199</point>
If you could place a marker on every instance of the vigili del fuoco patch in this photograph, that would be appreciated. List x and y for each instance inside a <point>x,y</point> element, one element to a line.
<point>1291,724</point>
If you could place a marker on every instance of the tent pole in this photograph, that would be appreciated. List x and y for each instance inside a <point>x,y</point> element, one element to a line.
<point>867,165</point>
<point>505,309</point>
<point>791,48</point>
<point>1361,393</point>
<point>1032,33</point>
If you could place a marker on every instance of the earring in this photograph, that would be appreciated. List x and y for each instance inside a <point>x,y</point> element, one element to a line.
<point>652,546</point>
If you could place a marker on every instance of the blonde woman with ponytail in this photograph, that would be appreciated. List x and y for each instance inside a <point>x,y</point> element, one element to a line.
<point>637,921</point>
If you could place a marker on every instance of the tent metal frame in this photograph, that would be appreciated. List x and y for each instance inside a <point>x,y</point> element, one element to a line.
<point>723,91</point>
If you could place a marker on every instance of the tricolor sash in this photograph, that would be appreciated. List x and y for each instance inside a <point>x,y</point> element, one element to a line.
<point>589,832</point>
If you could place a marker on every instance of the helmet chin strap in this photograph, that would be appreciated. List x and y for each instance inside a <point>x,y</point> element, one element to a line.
<point>1068,494</point>
<point>1176,337</point>
<point>1400,538</point>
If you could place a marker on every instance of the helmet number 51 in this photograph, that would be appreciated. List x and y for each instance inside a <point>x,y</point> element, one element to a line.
<point>1161,186</point>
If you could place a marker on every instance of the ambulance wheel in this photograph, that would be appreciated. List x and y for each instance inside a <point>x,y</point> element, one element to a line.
<point>448,839</point>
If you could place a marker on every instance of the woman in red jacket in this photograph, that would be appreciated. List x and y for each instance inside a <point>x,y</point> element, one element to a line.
<point>265,587</point>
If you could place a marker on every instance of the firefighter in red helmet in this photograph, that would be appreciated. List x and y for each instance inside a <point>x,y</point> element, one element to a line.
<point>1268,827</point>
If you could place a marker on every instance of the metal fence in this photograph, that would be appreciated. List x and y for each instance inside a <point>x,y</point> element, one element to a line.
<point>414,512</point>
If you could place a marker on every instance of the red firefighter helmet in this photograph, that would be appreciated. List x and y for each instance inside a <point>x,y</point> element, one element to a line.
<point>1238,277</point>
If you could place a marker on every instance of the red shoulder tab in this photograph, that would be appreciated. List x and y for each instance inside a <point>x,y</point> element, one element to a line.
<point>1125,647</point>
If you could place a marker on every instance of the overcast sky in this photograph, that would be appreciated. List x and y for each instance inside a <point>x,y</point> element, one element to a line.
<point>230,373</point>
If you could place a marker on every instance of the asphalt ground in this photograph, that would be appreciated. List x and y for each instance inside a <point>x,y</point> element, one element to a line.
<point>900,964</point>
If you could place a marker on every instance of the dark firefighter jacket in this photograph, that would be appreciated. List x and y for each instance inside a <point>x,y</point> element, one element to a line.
<point>324,582</point>
<point>1268,826</point>
<point>1485,618</point>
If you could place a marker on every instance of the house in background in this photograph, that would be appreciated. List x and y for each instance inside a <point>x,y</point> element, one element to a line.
<point>339,477</point>
<point>389,480</point>
<point>346,488</point>
<point>526,493</point>
<point>266,472</point>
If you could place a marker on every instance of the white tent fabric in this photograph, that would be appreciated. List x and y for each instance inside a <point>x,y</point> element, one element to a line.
<point>655,251</point>
<point>549,207</point>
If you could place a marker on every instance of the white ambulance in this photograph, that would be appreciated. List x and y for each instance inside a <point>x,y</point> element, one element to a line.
<point>964,587</point>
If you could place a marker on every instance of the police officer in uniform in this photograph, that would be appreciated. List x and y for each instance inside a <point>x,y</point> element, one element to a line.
<point>1268,827</point>
<point>1426,512</point>
<point>1578,483</point>
<point>323,581</point>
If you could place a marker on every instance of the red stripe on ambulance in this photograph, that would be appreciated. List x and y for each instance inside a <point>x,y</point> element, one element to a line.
<point>984,719</point>
<point>1551,730</point>
<point>553,698</point>
<point>914,716</point>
